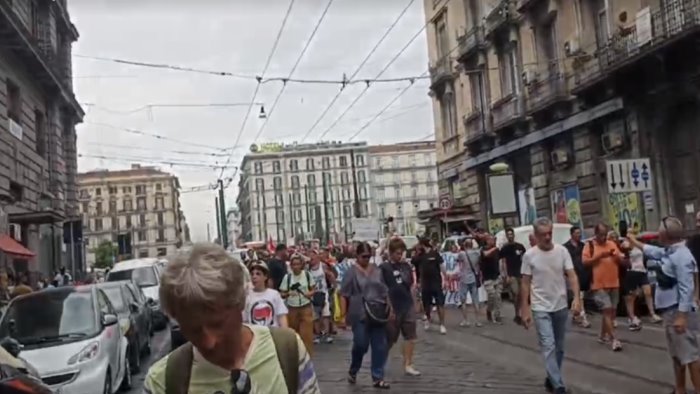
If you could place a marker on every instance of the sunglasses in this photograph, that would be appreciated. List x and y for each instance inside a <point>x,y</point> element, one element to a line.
<point>240,382</point>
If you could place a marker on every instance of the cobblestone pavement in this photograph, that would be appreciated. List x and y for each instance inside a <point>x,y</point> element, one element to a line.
<point>505,359</point>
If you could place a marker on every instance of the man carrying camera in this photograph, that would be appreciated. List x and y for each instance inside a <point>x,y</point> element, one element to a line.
<point>676,272</point>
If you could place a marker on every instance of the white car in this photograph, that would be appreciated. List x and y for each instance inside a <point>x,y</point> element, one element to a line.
<point>145,273</point>
<point>71,336</point>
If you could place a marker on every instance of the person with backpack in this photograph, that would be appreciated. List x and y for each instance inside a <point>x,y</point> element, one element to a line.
<point>203,290</point>
<point>298,289</point>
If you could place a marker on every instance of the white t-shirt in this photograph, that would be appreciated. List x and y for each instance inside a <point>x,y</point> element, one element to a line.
<point>318,276</point>
<point>264,308</point>
<point>547,269</point>
<point>637,260</point>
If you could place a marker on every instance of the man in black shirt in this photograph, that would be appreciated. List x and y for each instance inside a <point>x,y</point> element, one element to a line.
<point>431,268</point>
<point>491,273</point>
<point>583,273</point>
<point>278,267</point>
<point>512,254</point>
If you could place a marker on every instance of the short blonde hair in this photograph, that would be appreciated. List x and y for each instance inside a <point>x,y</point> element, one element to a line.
<point>200,282</point>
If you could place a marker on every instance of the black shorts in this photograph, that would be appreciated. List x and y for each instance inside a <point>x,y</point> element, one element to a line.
<point>634,280</point>
<point>401,327</point>
<point>432,296</point>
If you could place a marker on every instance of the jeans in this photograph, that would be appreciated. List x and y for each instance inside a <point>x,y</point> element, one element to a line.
<point>551,333</point>
<point>365,336</point>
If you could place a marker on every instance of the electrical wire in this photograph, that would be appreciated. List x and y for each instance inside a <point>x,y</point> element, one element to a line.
<point>271,110</point>
<point>262,75</point>
<point>357,70</point>
<point>151,161</point>
<point>151,106</point>
<point>156,150</point>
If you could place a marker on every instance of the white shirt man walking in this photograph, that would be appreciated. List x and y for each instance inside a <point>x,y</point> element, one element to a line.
<point>543,270</point>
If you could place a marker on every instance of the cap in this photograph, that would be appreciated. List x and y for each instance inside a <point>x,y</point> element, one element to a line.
<point>260,265</point>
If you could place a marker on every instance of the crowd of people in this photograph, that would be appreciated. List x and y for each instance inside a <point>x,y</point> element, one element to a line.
<point>307,294</point>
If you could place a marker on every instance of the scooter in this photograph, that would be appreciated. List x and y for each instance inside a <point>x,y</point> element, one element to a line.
<point>17,376</point>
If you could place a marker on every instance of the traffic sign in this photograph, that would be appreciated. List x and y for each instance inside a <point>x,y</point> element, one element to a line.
<point>445,202</point>
<point>629,176</point>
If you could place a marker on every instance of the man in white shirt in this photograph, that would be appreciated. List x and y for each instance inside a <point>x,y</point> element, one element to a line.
<point>264,307</point>
<point>543,270</point>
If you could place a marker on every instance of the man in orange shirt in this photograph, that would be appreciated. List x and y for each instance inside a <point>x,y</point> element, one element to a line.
<point>604,256</point>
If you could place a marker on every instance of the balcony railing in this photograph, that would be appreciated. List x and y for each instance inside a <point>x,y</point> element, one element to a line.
<point>675,19</point>
<point>547,89</point>
<point>475,125</point>
<point>440,70</point>
<point>500,16</point>
<point>507,111</point>
<point>470,41</point>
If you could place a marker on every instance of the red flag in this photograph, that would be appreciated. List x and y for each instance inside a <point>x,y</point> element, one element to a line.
<point>271,245</point>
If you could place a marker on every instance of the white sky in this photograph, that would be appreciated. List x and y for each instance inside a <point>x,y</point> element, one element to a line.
<point>237,36</point>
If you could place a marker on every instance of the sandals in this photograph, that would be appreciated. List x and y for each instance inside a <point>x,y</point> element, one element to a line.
<point>380,384</point>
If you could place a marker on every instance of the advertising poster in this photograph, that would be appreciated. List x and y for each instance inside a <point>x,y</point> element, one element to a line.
<point>526,205</point>
<point>627,207</point>
<point>566,206</point>
<point>496,225</point>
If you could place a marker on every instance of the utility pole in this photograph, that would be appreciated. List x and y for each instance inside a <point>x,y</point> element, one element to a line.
<point>325,207</point>
<point>208,233</point>
<point>356,203</point>
<point>291,219</point>
<point>222,210</point>
<point>306,203</point>
<point>218,220</point>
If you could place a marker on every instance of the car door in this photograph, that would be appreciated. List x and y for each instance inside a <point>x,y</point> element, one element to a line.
<point>140,298</point>
<point>111,336</point>
<point>135,314</point>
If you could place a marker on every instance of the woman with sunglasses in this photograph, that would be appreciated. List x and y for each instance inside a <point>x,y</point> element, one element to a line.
<point>366,308</point>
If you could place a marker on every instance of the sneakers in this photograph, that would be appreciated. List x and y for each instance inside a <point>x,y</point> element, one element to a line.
<point>478,324</point>
<point>328,339</point>
<point>443,329</point>
<point>465,323</point>
<point>426,325</point>
<point>656,319</point>
<point>410,371</point>
<point>317,340</point>
<point>634,324</point>
<point>616,345</point>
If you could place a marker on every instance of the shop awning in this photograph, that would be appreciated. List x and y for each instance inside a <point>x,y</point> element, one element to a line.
<point>14,248</point>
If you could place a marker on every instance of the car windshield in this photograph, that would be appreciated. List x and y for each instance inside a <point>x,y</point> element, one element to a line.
<point>50,316</point>
<point>116,297</point>
<point>143,277</point>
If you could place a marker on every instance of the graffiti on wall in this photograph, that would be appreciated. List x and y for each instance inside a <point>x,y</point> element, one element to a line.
<point>566,205</point>
<point>627,207</point>
<point>496,225</point>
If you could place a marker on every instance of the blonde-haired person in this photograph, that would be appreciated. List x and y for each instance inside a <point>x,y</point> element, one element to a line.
<point>297,289</point>
<point>204,291</point>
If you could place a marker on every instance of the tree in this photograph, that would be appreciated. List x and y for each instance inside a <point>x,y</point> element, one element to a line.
<point>104,254</point>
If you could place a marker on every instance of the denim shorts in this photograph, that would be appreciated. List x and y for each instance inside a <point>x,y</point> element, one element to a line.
<point>471,289</point>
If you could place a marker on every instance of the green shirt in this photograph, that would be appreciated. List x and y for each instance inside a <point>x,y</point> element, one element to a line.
<point>294,299</point>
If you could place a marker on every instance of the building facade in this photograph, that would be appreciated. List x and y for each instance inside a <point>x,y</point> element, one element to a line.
<point>38,114</point>
<point>233,219</point>
<point>592,107</point>
<point>138,210</point>
<point>404,182</point>
<point>321,187</point>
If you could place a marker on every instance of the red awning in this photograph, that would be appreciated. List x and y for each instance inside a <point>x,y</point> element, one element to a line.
<point>12,247</point>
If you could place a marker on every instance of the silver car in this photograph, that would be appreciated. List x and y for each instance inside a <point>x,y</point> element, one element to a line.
<point>71,336</point>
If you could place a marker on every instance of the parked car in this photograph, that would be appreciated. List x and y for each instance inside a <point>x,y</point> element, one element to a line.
<point>72,337</point>
<point>133,320</point>
<point>145,273</point>
<point>144,303</point>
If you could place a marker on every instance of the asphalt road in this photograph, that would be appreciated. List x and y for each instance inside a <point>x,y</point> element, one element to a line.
<point>160,347</point>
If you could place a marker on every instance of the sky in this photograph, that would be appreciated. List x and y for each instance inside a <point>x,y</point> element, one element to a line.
<point>237,37</point>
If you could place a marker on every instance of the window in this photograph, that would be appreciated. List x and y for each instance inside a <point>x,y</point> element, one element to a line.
<point>310,164</point>
<point>312,214</point>
<point>343,161</point>
<point>160,203</point>
<point>296,198</point>
<point>344,178</point>
<point>98,191</point>
<point>40,130</point>
<point>378,162</point>
<point>112,190</point>
<point>14,102</point>
<point>365,209</point>
<point>361,177</point>
<point>363,192</point>
<point>128,221</point>
<point>379,193</point>
<point>159,187</point>
<point>297,215</point>
<point>602,30</point>
<point>279,215</point>
<point>98,208</point>
<point>258,168</point>
<point>327,178</point>
<point>326,163</point>
<point>162,252</point>
<point>141,203</point>
<point>414,192</point>
<point>98,224</point>
<point>449,114</point>
<point>276,167</point>
<point>160,218</point>
<point>443,39</point>
<point>86,207</point>
<point>115,223</point>
<point>295,182</point>
<point>143,253</point>
<point>294,165</point>
<point>382,211</point>
<point>397,178</point>
<point>161,235</point>
<point>277,183</point>
<point>397,191</point>
<point>126,189</point>
<point>113,206</point>
<point>311,180</point>
<point>359,160</point>
<point>347,211</point>
<point>140,190</point>
<point>311,198</point>
<point>128,205</point>
<point>142,220</point>
<point>141,236</point>
<point>279,200</point>
<point>259,185</point>
<point>395,162</point>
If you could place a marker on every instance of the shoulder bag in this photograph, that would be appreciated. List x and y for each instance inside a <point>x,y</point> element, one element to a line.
<point>376,313</point>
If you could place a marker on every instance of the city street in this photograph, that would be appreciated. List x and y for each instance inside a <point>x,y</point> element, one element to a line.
<point>498,359</point>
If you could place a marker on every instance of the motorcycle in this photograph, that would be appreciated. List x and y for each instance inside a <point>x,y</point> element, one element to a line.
<point>17,376</point>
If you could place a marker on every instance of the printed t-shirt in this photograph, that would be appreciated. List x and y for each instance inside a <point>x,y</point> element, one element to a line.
<point>294,299</point>
<point>264,308</point>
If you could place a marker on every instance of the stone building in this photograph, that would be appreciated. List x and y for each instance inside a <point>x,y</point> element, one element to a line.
<point>563,92</point>
<point>38,114</point>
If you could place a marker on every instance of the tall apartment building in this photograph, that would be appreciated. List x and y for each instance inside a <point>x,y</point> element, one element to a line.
<point>233,219</point>
<point>38,114</point>
<point>303,190</point>
<point>563,93</point>
<point>139,208</point>
<point>404,182</point>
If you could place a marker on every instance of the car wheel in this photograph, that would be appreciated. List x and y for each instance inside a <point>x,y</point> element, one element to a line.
<point>108,383</point>
<point>126,380</point>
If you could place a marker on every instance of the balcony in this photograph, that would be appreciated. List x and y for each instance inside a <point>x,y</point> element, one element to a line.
<point>507,111</point>
<point>545,89</point>
<point>478,131</point>
<point>440,71</point>
<point>470,42</point>
<point>522,5</point>
<point>502,16</point>
<point>661,27</point>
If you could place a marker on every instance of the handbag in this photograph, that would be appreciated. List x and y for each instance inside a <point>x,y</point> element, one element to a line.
<point>376,313</point>
<point>471,267</point>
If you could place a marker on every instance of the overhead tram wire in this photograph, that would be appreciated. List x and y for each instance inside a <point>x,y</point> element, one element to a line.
<point>271,110</point>
<point>152,161</point>
<point>156,150</point>
<point>357,70</point>
<point>151,106</point>
<point>262,75</point>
